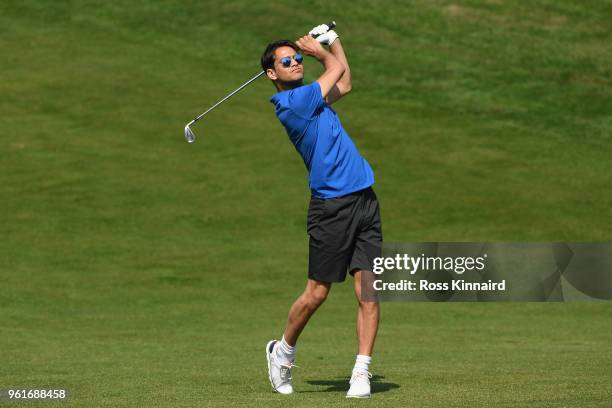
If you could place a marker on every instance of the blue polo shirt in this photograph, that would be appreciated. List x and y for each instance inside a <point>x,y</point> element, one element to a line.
<point>334,164</point>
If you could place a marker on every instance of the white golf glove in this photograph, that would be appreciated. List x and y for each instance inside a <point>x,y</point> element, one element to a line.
<point>325,35</point>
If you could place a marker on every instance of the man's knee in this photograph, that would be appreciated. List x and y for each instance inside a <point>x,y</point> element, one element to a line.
<point>368,306</point>
<point>317,295</point>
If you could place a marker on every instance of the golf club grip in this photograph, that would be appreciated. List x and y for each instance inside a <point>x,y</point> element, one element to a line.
<point>331,26</point>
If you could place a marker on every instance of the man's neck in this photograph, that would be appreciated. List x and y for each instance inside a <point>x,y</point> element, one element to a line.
<point>286,86</point>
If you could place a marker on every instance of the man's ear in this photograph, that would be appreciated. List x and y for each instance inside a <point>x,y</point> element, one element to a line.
<point>271,74</point>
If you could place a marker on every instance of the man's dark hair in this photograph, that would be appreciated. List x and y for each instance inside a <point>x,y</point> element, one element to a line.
<point>267,59</point>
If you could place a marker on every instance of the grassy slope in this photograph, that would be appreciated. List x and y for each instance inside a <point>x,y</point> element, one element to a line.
<point>132,262</point>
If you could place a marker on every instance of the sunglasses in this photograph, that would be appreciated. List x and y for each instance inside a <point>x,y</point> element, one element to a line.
<point>286,61</point>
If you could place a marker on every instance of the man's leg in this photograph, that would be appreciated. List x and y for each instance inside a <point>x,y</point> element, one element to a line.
<point>367,320</point>
<point>304,307</point>
<point>367,326</point>
<point>280,354</point>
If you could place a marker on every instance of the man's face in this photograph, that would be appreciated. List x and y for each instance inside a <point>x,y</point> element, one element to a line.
<point>293,73</point>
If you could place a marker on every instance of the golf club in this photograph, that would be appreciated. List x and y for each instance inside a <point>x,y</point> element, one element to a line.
<point>190,136</point>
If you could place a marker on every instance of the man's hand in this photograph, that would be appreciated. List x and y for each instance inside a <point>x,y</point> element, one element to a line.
<point>311,46</point>
<point>323,34</point>
<point>333,68</point>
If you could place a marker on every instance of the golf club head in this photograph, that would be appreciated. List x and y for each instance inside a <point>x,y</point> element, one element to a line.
<point>189,135</point>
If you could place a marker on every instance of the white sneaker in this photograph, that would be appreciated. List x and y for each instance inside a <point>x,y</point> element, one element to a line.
<point>279,374</point>
<point>360,384</point>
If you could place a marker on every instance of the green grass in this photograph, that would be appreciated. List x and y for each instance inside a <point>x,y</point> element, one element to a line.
<point>138,270</point>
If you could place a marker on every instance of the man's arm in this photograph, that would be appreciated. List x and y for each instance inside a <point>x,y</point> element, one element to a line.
<point>345,84</point>
<point>334,69</point>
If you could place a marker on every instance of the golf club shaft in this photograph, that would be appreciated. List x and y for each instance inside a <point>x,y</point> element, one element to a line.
<point>228,96</point>
<point>190,136</point>
<point>331,25</point>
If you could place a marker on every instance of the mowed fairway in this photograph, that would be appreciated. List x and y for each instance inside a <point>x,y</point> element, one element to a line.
<point>139,271</point>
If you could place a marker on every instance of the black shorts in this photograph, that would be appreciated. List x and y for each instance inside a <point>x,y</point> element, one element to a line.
<point>345,234</point>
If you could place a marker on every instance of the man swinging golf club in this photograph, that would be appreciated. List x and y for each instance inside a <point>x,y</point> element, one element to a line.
<point>343,215</point>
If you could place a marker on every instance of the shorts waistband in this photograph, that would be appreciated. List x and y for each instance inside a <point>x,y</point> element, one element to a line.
<point>363,191</point>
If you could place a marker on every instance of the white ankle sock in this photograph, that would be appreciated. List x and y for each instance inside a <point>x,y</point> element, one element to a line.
<point>285,352</point>
<point>362,362</point>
